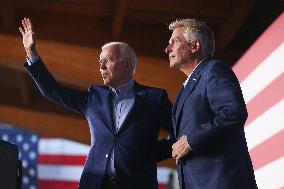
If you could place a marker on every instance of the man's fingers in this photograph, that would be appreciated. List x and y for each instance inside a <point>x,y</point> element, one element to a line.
<point>177,151</point>
<point>22,31</point>
<point>24,25</point>
<point>177,161</point>
<point>180,149</point>
<point>30,26</point>
<point>174,153</point>
<point>173,146</point>
<point>27,24</point>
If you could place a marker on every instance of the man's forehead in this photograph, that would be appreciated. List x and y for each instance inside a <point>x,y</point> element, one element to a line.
<point>178,33</point>
<point>109,51</point>
<point>106,52</point>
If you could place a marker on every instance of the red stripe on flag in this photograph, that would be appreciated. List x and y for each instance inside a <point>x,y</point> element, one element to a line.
<point>162,186</point>
<point>270,39</point>
<point>268,151</point>
<point>62,159</point>
<point>57,185</point>
<point>266,99</point>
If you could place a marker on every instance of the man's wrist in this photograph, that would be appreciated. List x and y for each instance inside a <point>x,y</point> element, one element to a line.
<point>32,55</point>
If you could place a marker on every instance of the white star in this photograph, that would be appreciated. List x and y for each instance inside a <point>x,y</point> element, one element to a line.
<point>32,172</point>
<point>26,146</point>
<point>34,138</point>
<point>32,155</point>
<point>19,138</point>
<point>26,180</point>
<point>25,163</point>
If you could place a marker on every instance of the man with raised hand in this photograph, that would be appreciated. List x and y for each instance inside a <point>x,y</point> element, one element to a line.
<point>124,117</point>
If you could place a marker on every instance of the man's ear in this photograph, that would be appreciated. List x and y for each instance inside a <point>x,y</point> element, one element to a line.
<point>195,46</point>
<point>128,63</point>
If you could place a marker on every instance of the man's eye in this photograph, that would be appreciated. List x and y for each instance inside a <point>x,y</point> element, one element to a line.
<point>103,61</point>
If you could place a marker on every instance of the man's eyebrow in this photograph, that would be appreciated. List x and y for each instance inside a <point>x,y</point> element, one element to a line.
<point>172,39</point>
<point>102,60</point>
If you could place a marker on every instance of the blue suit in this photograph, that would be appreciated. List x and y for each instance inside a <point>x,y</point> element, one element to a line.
<point>211,111</point>
<point>137,148</point>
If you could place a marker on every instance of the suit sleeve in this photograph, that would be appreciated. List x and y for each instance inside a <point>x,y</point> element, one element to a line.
<point>165,121</point>
<point>226,105</point>
<point>51,89</point>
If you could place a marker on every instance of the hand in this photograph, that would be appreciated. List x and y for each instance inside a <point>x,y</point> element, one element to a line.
<point>29,39</point>
<point>180,149</point>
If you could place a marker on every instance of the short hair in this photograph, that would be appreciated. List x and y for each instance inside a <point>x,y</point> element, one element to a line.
<point>197,30</point>
<point>125,51</point>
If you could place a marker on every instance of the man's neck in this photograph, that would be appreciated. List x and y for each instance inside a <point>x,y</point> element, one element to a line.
<point>189,67</point>
<point>122,84</point>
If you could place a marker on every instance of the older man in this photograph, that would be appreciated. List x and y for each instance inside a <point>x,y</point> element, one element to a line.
<point>209,114</point>
<point>124,117</point>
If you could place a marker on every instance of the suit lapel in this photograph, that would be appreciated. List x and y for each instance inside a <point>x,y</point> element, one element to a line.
<point>107,106</point>
<point>194,78</point>
<point>139,94</point>
<point>175,105</point>
<point>177,99</point>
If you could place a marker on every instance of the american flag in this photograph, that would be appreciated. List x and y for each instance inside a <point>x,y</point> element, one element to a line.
<point>55,163</point>
<point>260,71</point>
<point>27,143</point>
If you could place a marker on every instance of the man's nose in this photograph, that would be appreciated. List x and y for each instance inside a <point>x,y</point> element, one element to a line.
<point>168,49</point>
<point>102,66</point>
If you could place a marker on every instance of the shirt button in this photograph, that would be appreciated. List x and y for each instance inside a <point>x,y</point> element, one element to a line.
<point>106,155</point>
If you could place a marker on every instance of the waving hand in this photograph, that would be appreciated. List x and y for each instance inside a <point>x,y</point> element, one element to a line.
<point>29,39</point>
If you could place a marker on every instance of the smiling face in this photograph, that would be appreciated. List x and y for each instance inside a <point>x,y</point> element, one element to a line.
<point>115,70</point>
<point>178,49</point>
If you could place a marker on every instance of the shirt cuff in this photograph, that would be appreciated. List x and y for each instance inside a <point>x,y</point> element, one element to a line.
<point>32,60</point>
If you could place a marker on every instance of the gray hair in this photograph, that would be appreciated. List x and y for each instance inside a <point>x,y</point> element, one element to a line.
<point>125,51</point>
<point>197,31</point>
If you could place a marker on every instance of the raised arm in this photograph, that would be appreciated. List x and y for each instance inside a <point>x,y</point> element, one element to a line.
<point>48,86</point>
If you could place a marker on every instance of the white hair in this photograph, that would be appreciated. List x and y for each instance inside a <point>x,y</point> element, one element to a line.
<point>197,31</point>
<point>125,51</point>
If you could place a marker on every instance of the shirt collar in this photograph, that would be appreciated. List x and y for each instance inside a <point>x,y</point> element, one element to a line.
<point>188,77</point>
<point>125,90</point>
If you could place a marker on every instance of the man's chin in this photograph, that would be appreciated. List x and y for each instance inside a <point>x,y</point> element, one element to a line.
<point>106,82</point>
<point>173,65</point>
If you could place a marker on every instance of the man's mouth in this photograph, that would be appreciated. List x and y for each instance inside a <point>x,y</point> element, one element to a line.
<point>171,57</point>
<point>104,75</point>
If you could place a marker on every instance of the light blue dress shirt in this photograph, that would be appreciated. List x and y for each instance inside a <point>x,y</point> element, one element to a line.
<point>122,101</point>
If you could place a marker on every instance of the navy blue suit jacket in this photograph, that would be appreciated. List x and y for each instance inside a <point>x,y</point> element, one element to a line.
<point>136,146</point>
<point>211,111</point>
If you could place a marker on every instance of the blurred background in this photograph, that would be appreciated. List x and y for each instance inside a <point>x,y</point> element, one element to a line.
<point>249,36</point>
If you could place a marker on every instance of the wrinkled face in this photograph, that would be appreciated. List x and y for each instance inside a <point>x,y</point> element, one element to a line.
<point>114,70</point>
<point>178,49</point>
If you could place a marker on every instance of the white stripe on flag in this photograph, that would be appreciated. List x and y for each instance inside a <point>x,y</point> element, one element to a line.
<point>271,175</point>
<point>263,74</point>
<point>59,172</point>
<point>62,147</point>
<point>163,175</point>
<point>264,127</point>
